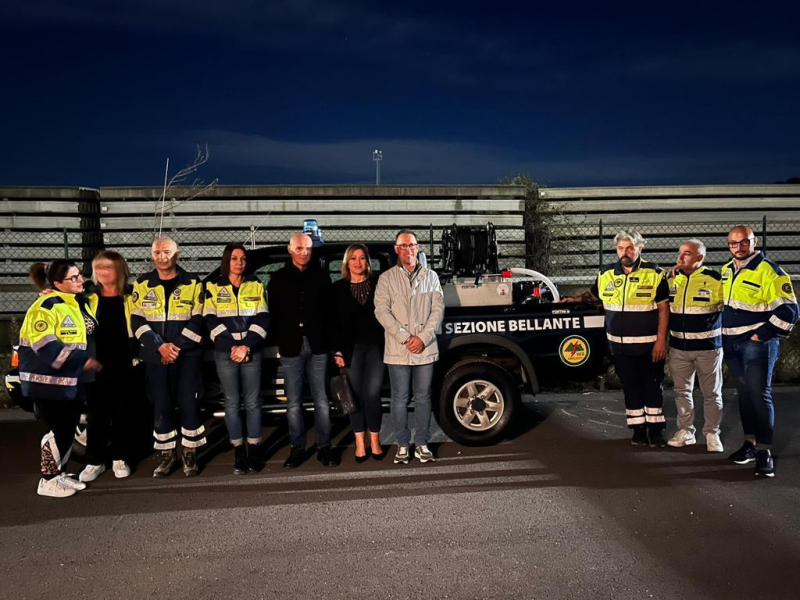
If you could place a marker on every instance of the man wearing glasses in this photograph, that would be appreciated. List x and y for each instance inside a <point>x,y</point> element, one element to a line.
<point>760,308</point>
<point>409,304</point>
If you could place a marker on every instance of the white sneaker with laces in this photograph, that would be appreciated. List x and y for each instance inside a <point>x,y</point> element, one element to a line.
<point>91,472</point>
<point>402,457</point>
<point>682,437</point>
<point>121,469</point>
<point>424,454</point>
<point>55,488</point>
<point>71,480</point>
<point>713,443</point>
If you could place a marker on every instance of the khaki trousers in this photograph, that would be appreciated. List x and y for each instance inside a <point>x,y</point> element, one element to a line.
<point>683,364</point>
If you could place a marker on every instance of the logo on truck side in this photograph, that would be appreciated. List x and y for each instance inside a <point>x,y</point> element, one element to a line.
<point>574,351</point>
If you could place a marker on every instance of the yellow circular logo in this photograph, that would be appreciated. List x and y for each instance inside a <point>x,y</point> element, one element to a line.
<point>40,326</point>
<point>574,351</point>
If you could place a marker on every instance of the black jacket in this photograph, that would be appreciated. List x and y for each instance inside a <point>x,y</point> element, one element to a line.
<point>348,313</point>
<point>299,305</point>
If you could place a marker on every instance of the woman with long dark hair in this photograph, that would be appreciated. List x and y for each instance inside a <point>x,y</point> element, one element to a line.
<point>359,344</point>
<point>54,355</point>
<point>237,319</point>
<point>109,411</point>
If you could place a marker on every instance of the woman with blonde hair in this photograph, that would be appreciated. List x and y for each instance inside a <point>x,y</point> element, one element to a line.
<point>109,421</point>
<point>359,345</point>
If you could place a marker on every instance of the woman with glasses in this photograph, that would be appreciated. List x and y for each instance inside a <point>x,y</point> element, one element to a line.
<point>109,417</point>
<point>359,343</point>
<point>236,315</point>
<point>54,356</point>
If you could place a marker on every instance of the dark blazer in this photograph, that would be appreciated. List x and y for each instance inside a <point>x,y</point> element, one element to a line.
<point>299,305</point>
<point>347,311</point>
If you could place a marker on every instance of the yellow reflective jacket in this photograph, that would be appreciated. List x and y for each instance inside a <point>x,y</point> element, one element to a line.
<point>236,317</point>
<point>695,310</point>
<point>52,345</point>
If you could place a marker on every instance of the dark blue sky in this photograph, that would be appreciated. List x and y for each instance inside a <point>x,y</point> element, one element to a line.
<point>101,92</point>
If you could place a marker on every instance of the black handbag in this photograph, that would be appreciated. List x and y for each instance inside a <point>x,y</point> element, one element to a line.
<point>343,392</point>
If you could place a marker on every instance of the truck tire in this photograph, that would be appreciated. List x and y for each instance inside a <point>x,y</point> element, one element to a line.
<point>477,401</point>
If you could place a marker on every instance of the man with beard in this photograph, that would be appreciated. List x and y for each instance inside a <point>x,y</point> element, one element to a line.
<point>760,309</point>
<point>635,297</point>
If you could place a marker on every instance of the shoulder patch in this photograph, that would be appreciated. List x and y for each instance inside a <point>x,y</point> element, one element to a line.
<point>40,326</point>
<point>787,288</point>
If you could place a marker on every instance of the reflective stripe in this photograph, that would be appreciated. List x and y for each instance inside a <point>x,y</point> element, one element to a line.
<point>239,335</point>
<point>699,335</point>
<point>197,310</point>
<point>652,411</point>
<point>163,437</point>
<point>193,432</point>
<point>781,301</point>
<point>154,317</point>
<point>191,335</point>
<point>261,310</point>
<point>210,310</point>
<point>631,307</point>
<point>167,446</point>
<point>227,313</point>
<point>43,342</point>
<point>179,317</point>
<point>142,330</point>
<point>636,421</point>
<point>740,330</point>
<point>247,312</point>
<point>738,304</point>
<point>655,419</point>
<point>62,357</point>
<point>193,444</point>
<point>48,379</point>
<point>24,342</point>
<point>634,412</point>
<point>632,339</point>
<point>216,331</point>
<point>259,330</point>
<point>780,323</point>
<point>695,310</point>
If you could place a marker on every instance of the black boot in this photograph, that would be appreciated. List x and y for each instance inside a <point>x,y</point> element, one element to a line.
<point>253,462</point>
<point>639,436</point>
<point>240,459</point>
<point>655,436</point>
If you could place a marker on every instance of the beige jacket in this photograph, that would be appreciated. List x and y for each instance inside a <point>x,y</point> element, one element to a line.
<point>409,308</point>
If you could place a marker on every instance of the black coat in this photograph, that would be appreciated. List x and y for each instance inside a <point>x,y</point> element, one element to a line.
<point>347,313</point>
<point>299,305</point>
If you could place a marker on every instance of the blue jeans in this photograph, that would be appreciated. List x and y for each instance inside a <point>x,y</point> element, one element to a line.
<point>751,364</point>
<point>408,379</point>
<point>295,371</point>
<point>241,382</point>
<point>366,377</point>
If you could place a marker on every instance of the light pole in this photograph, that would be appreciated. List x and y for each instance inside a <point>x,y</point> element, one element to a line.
<point>377,156</point>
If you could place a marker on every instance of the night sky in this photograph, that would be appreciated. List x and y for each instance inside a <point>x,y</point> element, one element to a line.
<point>101,92</point>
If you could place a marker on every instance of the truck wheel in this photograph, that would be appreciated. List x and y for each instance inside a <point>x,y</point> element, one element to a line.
<point>477,402</point>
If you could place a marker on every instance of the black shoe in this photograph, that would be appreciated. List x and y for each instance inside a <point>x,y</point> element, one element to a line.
<point>253,463</point>
<point>639,436</point>
<point>166,465</point>
<point>296,458</point>
<point>327,457</point>
<point>656,439</point>
<point>764,464</point>
<point>745,454</point>
<point>380,456</point>
<point>190,468</point>
<point>239,460</point>
<point>362,459</point>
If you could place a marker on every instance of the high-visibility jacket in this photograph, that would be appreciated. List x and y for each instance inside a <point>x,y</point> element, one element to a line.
<point>631,305</point>
<point>156,320</point>
<point>695,310</point>
<point>759,299</point>
<point>236,318</point>
<point>52,345</point>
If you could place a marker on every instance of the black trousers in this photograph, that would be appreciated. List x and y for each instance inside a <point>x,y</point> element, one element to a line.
<point>366,373</point>
<point>60,417</point>
<point>642,384</point>
<point>109,419</point>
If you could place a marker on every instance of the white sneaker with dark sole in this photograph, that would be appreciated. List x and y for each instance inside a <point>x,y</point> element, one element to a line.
<point>402,457</point>
<point>424,454</point>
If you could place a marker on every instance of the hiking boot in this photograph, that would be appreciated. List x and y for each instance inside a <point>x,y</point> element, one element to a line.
<point>639,436</point>
<point>167,464</point>
<point>55,488</point>
<point>713,443</point>
<point>240,460</point>
<point>745,454</point>
<point>423,454</point>
<point>402,457</point>
<point>121,469</point>
<point>91,472</point>
<point>189,458</point>
<point>764,464</point>
<point>682,437</point>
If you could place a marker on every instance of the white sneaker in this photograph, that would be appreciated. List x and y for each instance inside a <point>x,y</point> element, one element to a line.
<point>713,443</point>
<point>121,469</point>
<point>424,454</point>
<point>91,472</point>
<point>682,437</point>
<point>71,480</point>
<point>55,488</point>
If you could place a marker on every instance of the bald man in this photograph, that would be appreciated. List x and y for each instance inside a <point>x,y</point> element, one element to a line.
<point>299,299</point>
<point>167,320</point>
<point>760,309</point>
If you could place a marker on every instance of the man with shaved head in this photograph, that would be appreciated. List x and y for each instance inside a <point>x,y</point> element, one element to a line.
<point>167,319</point>
<point>760,309</point>
<point>299,298</point>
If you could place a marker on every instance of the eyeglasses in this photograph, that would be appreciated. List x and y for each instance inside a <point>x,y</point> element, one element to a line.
<point>74,278</point>
<point>406,246</point>
<point>745,243</point>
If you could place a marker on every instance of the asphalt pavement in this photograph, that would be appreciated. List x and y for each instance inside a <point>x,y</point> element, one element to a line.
<point>565,508</point>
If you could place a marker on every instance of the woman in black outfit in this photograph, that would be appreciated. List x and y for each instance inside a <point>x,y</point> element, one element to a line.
<point>359,344</point>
